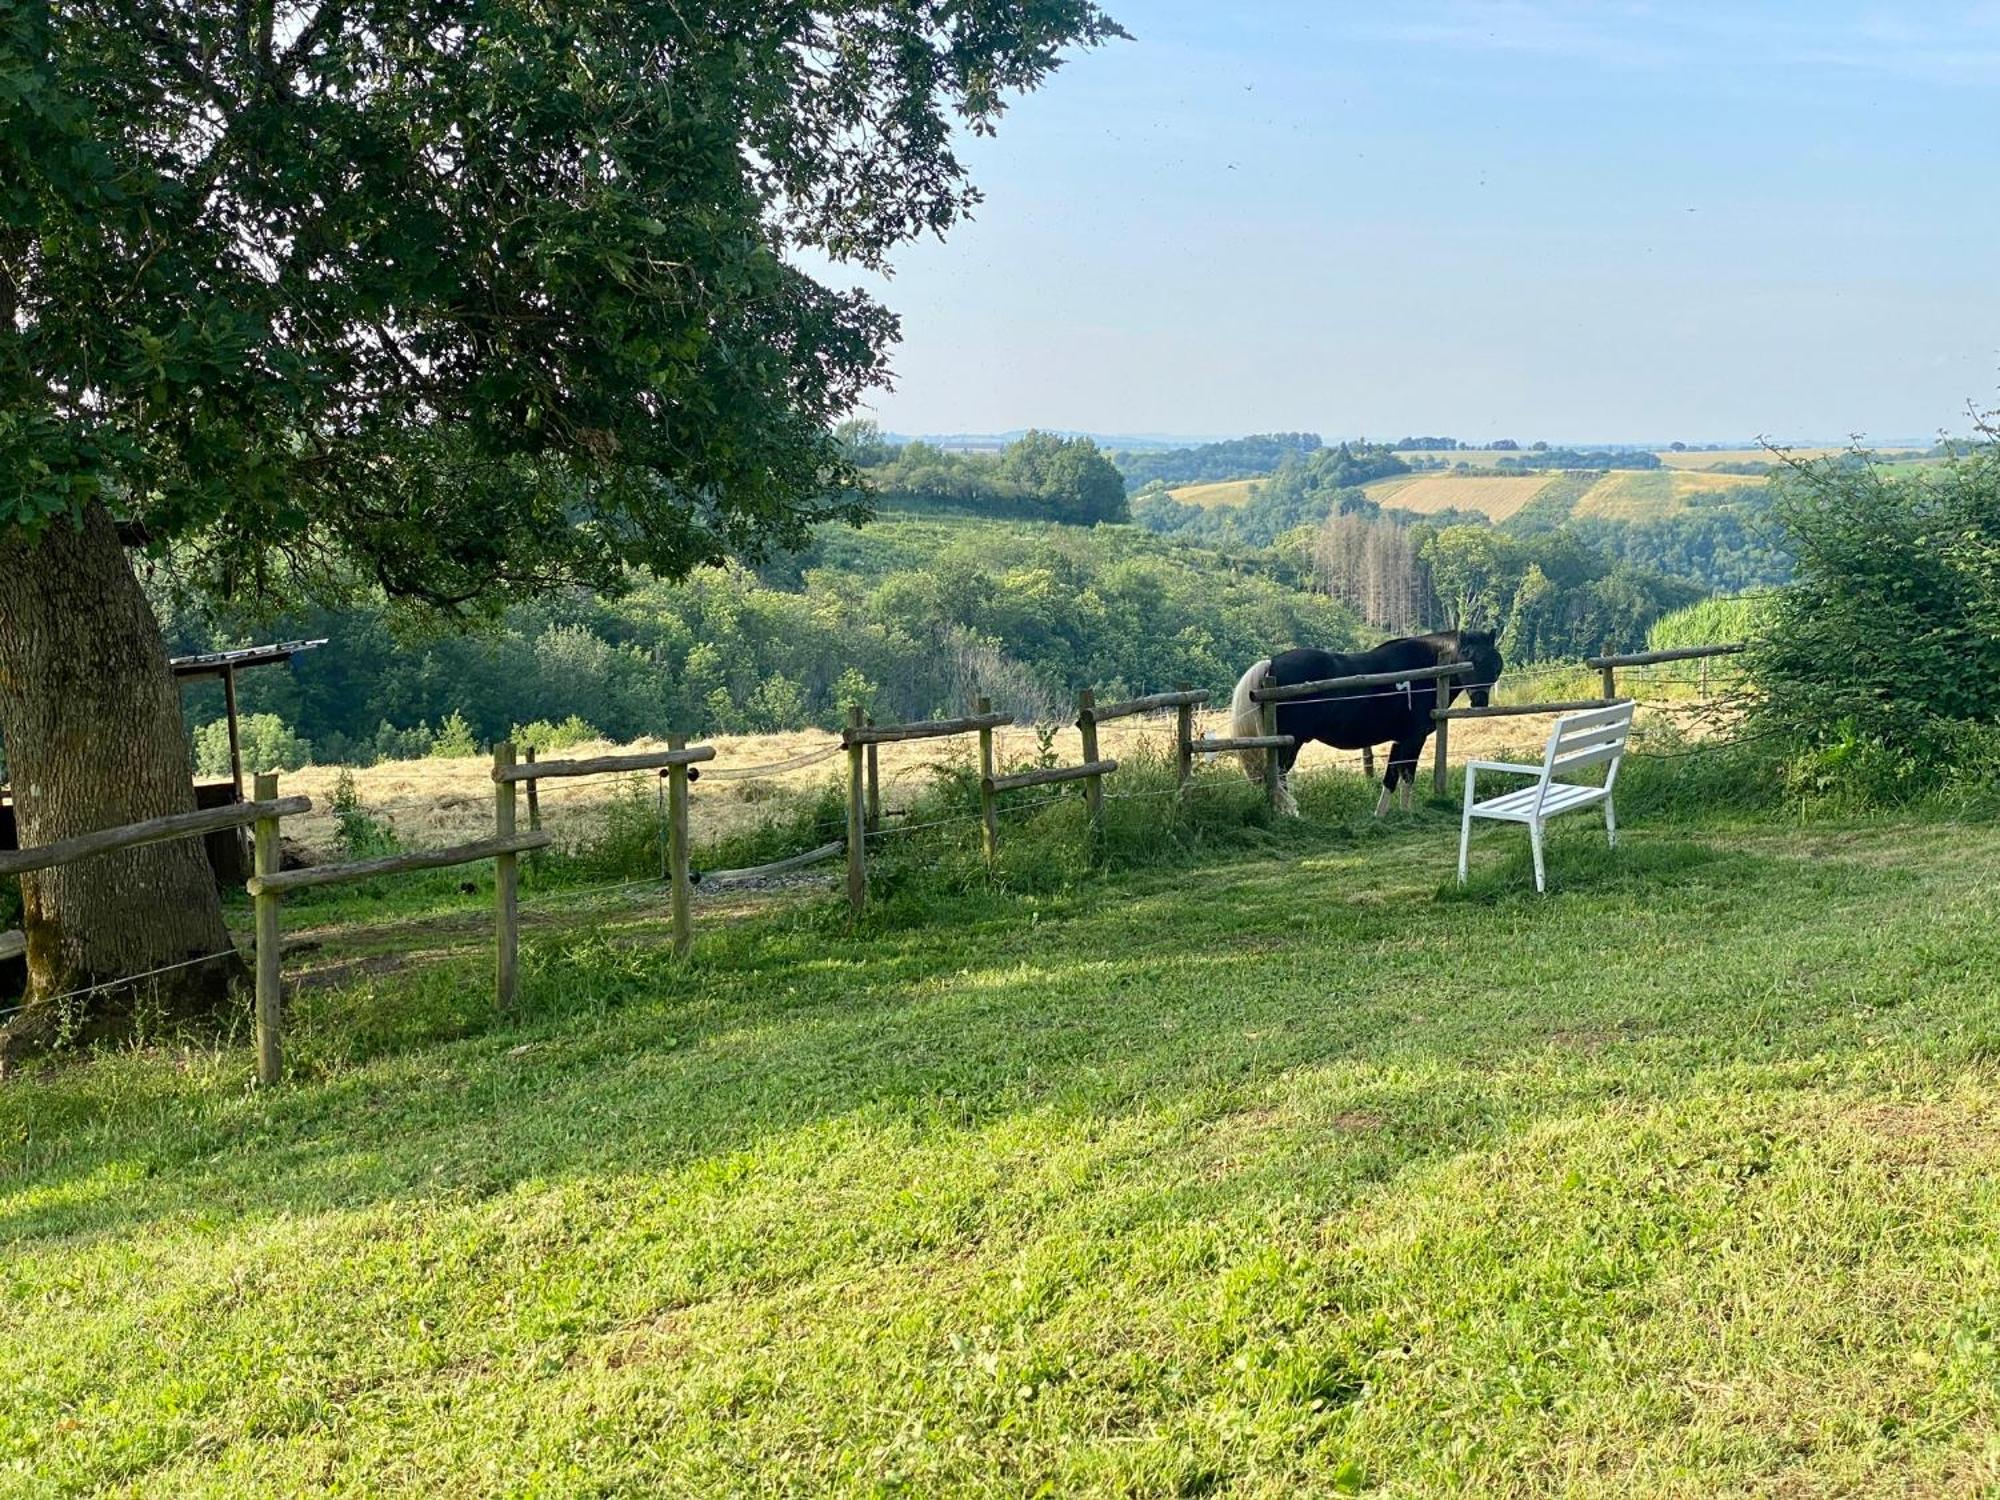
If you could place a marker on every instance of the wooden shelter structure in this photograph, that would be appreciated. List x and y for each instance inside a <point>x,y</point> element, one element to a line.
<point>226,850</point>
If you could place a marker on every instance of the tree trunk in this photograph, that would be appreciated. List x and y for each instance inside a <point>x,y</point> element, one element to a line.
<point>91,720</point>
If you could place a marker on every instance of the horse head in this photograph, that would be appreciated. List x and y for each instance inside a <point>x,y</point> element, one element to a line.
<point>1478,647</point>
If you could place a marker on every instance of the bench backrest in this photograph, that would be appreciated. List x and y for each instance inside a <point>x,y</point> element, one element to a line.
<point>1587,739</point>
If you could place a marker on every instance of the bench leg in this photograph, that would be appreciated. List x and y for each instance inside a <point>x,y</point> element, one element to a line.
<point>1535,843</point>
<point>1610,823</point>
<point>1464,840</point>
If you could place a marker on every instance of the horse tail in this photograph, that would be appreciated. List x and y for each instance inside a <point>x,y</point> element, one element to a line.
<point>1244,717</point>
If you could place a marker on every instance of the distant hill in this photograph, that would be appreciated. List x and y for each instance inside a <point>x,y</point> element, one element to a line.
<point>1207,463</point>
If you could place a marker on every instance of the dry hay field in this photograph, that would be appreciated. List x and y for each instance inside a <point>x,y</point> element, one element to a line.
<point>1621,494</point>
<point>434,802</point>
<point>1224,492</point>
<point>1497,495</point>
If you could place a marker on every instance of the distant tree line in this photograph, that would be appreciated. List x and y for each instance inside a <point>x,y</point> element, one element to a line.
<point>1236,458</point>
<point>1545,457</point>
<point>1037,477</point>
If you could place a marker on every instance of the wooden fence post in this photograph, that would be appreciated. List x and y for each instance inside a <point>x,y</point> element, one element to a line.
<point>874,783</point>
<point>1267,724</point>
<point>677,848</point>
<point>857,823</point>
<point>1368,761</point>
<point>1093,786</point>
<point>270,1016</point>
<point>534,793</point>
<point>1610,676</point>
<point>506,887</point>
<point>1443,728</point>
<point>989,803</point>
<point>1183,740</point>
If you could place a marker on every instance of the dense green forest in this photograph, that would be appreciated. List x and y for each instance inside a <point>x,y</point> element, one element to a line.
<point>910,617</point>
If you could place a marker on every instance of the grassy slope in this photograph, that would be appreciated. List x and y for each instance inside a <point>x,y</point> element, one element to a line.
<point>1302,1174</point>
<point>1223,492</point>
<point>1644,495</point>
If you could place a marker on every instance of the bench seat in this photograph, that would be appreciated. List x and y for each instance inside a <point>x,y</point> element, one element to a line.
<point>1579,741</point>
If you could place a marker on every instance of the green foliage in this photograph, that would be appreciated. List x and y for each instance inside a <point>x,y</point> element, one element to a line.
<point>545,736</point>
<point>1233,458</point>
<point>361,834</point>
<point>1728,548</point>
<point>1711,622</point>
<point>1038,477</point>
<point>910,617</point>
<point>1887,644</point>
<point>478,255</point>
<point>455,739</point>
<point>267,745</point>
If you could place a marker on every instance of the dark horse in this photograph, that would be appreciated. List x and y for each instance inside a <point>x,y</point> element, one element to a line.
<point>1397,714</point>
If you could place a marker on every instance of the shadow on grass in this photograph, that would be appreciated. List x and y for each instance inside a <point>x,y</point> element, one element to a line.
<point>946,1013</point>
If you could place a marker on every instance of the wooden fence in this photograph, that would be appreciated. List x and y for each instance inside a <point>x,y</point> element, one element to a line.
<point>678,765</point>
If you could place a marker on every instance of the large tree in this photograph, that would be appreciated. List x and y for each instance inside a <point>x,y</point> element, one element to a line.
<point>449,298</point>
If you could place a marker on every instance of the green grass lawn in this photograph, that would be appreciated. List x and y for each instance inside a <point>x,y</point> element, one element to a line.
<point>1295,1174</point>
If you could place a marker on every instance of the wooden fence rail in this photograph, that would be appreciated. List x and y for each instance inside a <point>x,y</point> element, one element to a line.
<point>1609,665</point>
<point>598,765</point>
<point>151,831</point>
<point>12,945</point>
<point>311,877</point>
<point>1054,775</point>
<point>860,732</point>
<point>1185,698</point>
<point>1245,742</point>
<point>1362,680</point>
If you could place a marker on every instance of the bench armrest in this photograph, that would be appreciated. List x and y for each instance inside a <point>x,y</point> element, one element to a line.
<point>1503,765</point>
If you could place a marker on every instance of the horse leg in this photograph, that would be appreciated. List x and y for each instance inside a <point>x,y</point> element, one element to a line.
<point>1388,792</point>
<point>1287,803</point>
<point>1403,757</point>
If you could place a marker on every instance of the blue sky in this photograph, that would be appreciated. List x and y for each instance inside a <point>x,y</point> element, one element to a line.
<point>1616,222</point>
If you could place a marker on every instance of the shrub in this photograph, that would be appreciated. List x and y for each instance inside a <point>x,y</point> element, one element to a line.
<point>361,834</point>
<point>546,736</point>
<point>1888,642</point>
<point>391,743</point>
<point>454,739</point>
<point>268,745</point>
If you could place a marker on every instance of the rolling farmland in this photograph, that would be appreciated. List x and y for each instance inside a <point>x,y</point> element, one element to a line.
<point>1498,495</point>
<point>1622,494</point>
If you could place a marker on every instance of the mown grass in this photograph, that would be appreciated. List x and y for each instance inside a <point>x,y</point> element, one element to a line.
<point>1285,1168</point>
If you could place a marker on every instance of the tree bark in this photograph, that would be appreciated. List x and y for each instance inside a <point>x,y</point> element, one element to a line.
<point>90,716</point>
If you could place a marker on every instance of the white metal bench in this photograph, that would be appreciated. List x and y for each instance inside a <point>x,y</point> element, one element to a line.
<point>1594,737</point>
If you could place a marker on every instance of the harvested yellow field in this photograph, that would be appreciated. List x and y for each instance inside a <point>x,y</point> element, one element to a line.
<point>1498,496</point>
<point>1648,494</point>
<point>1227,492</point>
